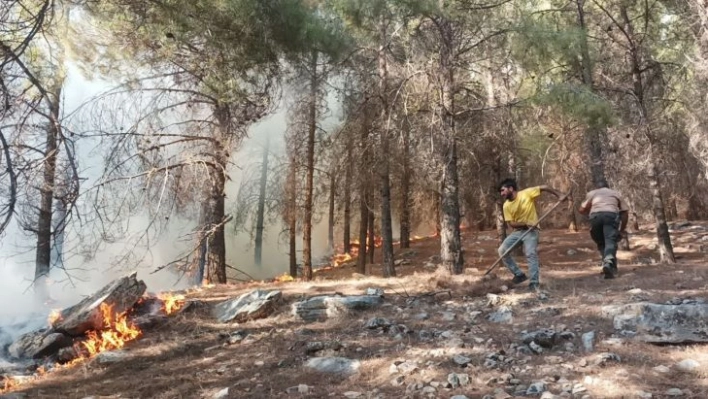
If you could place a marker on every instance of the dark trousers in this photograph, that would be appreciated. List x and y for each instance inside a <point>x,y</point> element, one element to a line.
<point>605,232</point>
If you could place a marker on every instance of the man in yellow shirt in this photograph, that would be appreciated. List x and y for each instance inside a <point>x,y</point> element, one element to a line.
<point>520,214</point>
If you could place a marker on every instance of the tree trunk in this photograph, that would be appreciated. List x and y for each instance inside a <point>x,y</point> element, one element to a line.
<point>291,189</point>
<point>212,213</point>
<point>406,190</point>
<point>261,206</point>
<point>666,251</point>
<point>593,134</point>
<point>330,219</point>
<point>46,199</point>
<point>450,242</point>
<point>309,188</point>
<point>371,244</point>
<point>389,269</point>
<point>363,228</point>
<point>437,201</point>
<point>214,216</point>
<point>347,248</point>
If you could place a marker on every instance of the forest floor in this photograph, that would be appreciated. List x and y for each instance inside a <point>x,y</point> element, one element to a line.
<point>444,316</point>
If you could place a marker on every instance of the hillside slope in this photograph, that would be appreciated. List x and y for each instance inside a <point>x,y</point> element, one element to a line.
<point>436,335</point>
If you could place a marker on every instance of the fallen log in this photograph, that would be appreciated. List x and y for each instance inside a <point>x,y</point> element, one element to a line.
<point>120,295</point>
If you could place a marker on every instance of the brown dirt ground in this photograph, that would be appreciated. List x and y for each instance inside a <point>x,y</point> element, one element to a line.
<point>185,358</point>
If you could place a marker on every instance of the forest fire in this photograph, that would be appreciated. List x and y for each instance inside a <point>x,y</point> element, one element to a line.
<point>116,331</point>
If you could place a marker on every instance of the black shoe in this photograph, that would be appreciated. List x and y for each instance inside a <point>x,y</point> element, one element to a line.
<point>519,279</point>
<point>608,272</point>
<point>533,287</point>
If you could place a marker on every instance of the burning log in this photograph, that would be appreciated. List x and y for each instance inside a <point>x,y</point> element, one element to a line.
<point>121,295</point>
<point>39,344</point>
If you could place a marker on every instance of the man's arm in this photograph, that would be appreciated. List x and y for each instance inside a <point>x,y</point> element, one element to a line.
<point>624,218</point>
<point>586,204</point>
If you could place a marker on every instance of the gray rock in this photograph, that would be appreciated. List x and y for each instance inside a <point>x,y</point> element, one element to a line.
<point>459,397</point>
<point>407,367</point>
<point>448,316</point>
<point>352,394</point>
<point>421,316</point>
<point>112,357</point>
<point>656,323</point>
<point>535,347</point>
<point>334,365</point>
<point>589,341</point>
<point>461,360</point>
<point>222,394</point>
<point>545,338</point>
<point>688,365</point>
<point>502,315</point>
<point>254,305</point>
<point>644,395</point>
<point>453,381</point>
<point>377,322</point>
<point>326,306</point>
<point>607,357</point>
<point>662,369</point>
<point>535,389</point>
<point>316,346</point>
<point>674,392</point>
<point>374,291</point>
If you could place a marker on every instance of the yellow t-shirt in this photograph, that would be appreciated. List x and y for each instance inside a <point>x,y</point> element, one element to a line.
<point>523,208</point>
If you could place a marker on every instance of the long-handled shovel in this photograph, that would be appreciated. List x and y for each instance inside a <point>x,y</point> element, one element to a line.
<point>508,251</point>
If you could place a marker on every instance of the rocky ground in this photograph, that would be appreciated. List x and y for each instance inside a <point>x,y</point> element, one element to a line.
<point>430,335</point>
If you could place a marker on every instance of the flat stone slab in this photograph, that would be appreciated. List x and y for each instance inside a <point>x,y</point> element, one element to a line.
<point>325,306</point>
<point>334,365</point>
<point>658,323</point>
<point>257,304</point>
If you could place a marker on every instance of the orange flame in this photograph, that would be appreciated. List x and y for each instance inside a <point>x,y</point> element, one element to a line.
<point>117,331</point>
<point>171,303</point>
<point>54,316</point>
<point>283,278</point>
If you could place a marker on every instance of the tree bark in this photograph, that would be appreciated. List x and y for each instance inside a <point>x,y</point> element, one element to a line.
<point>371,244</point>
<point>292,215</point>
<point>46,199</point>
<point>593,134</point>
<point>347,248</point>
<point>363,190</point>
<point>309,185</point>
<point>261,206</point>
<point>363,228</point>
<point>330,218</point>
<point>406,190</point>
<point>214,218</point>
<point>213,213</point>
<point>666,251</point>
<point>450,242</point>
<point>389,269</point>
